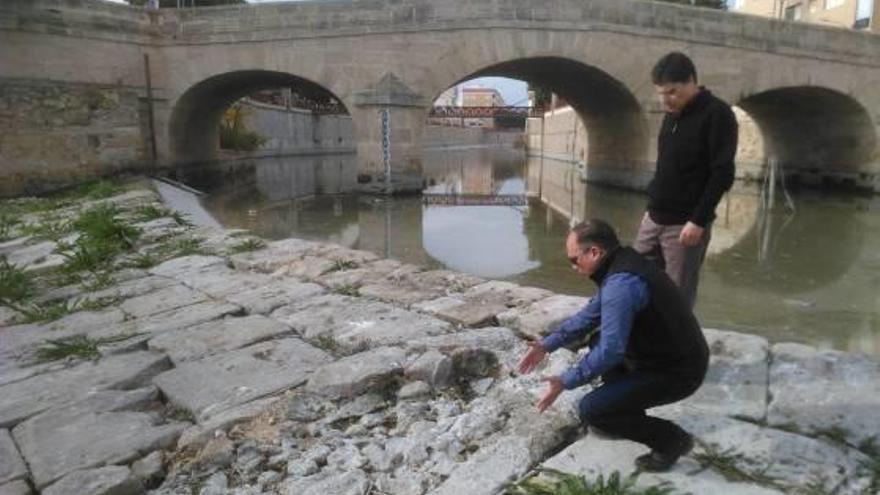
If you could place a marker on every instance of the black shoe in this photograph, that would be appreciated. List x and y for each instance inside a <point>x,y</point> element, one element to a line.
<point>656,461</point>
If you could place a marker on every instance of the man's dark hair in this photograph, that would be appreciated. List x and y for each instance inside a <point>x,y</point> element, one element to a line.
<point>674,67</point>
<point>595,232</point>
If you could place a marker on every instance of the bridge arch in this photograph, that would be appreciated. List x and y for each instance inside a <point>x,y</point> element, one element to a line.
<point>611,93</point>
<point>814,133</point>
<point>195,116</point>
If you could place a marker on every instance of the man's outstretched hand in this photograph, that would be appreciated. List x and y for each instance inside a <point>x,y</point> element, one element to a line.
<point>549,398</point>
<point>533,357</point>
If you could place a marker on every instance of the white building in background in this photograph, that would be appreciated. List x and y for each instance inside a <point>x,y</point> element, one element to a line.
<point>852,14</point>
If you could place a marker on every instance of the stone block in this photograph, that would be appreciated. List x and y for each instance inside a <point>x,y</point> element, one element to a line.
<point>110,480</point>
<point>28,397</point>
<point>197,435</point>
<point>211,385</point>
<point>11,464</point>
<point>160,301</point>
<point>736,383</point>
<point>15,488</point>
<point>481,304</point>
<point>354,375</point>
<point>824,391</point>
<point>272,295</point>
<point>355,323</point>
<point>411,287</point>
<point>542,317</point>
<point>217,337</point>
<point>61,441</point>
<point>489,470</point>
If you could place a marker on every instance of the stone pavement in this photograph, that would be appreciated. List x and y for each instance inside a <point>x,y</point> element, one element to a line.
<point>306,368</point>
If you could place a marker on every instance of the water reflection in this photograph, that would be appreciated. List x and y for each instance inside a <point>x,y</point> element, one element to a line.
<point>811,276</point>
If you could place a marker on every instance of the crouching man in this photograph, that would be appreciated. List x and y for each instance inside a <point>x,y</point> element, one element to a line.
<point>649,349</point>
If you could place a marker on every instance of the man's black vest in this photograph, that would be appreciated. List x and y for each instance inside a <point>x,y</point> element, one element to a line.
<point>665,335</point>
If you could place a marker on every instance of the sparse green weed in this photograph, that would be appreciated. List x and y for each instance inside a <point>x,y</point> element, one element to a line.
<point>248,245</point>
<point>552,482</point>
<point>347,290</point>
<point>15,284</point>
<point>80,347</point>
<point>340,264</point>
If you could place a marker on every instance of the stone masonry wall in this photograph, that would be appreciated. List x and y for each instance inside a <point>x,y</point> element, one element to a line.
<point>51,132</point>
<point>292,131</point>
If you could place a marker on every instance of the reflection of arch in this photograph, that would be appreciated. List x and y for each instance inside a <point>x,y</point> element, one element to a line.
<point>617,131</point>
<point>194,120</point>
<point>792,254</point>
<point>813,130</point>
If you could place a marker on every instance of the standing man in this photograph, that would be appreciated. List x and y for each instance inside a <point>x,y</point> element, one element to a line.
<point>651,350</point>
<point>695,152</point>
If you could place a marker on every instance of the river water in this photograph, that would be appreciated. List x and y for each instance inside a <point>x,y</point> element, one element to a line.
<point>811,274</point>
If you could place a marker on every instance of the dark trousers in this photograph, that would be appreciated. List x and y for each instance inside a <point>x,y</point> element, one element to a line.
<point>618,406</point>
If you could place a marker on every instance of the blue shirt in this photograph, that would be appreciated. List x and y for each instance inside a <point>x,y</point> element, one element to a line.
<point>614,307</point>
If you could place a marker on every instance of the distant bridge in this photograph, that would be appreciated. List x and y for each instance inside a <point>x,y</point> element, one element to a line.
<point>476,199</point>
<point>89,86</point>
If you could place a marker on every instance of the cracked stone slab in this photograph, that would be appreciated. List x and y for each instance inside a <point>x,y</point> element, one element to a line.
<point>481,304</point>
<point>354,322</point>
<point>375,272</point>
<point>160,301</point>
<point>19,342</point>
<point>542,317</point>
<point>186,269</point>
<point>489,470</point>
<point>26,398</point>
<point>213,384</point>
<point>11,464</point>
<point>354,375</point>
<point>736,382</point>
<point>109,480</point>
<point>216,337</point>
<point>198,435</point>
<point>100,429</point>
<point>353,482</point>
<point>592,456</point>
<point>175,319</point>
<point>131,288</point>
<point>790,459</point>
<point>277,255</point>
<point>32,254</point>
<point>270,296</point>
<point>495,339</point>
<point>15,488</point>
<point>222,281</point>
<point>819,391</point>
<point>409,288</point>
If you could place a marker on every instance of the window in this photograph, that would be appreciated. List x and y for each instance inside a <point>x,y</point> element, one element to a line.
<point>793,13</point>
<point>833,4</point>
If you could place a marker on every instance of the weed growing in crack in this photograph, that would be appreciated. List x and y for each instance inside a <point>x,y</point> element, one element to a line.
<point>15,284</point>
<point>552,482</point>
<point>246,246</point>
<point>8,226</point>
<point>347,290</point>
<point>726,463</point>
<point>147,213</point>
<point>80,347</point>
<point>340,265</point>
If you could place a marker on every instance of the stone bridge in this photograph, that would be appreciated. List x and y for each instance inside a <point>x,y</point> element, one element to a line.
<point>90,87</point>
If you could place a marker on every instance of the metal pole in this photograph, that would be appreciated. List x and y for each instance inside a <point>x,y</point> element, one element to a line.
<point>385,114</point>
<point>150,115</point>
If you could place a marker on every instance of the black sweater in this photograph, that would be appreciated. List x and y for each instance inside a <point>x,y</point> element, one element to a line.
<point>695,152</point>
